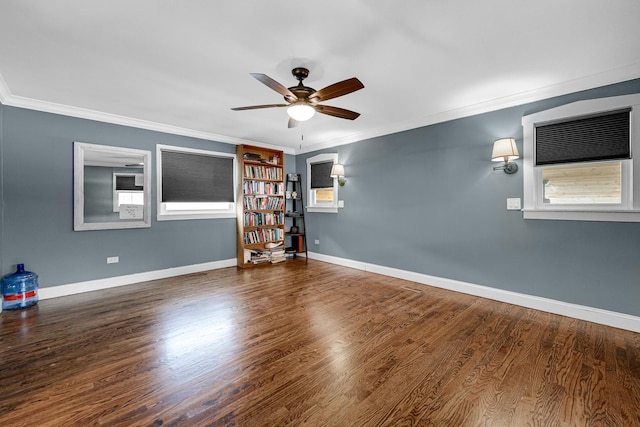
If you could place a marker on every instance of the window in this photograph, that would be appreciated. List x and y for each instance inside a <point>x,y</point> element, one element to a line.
<point>322,189</point>
<point>598,183</point>
<point>578,161</point>
<point>128,189</point>
<point>195,184</point>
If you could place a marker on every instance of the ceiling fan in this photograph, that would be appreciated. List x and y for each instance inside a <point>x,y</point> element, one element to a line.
<point>303,101</point>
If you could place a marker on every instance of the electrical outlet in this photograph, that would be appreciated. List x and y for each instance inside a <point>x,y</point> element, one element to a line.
<point>113,260</point>
<point>317,242</point>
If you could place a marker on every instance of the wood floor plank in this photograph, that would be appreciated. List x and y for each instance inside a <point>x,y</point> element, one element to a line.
<point>308,343</point>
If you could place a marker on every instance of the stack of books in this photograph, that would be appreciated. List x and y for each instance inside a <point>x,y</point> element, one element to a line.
<point>274,254</point>
<point>252,156</point>
<point>277,255</point>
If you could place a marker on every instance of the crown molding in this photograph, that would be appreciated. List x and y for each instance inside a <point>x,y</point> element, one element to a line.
<point>617,75</point>
<point>6,98</point>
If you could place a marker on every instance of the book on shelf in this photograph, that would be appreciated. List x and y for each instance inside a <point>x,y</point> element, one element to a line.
<point>262,172</point>
<point>263,187</point>
<point>252,156</point>
<point>255,157</point>
<point>253,219</point>
<point>263,203</point>
<point>263,235</point>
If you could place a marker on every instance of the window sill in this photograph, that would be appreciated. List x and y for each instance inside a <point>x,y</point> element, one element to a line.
<point>184,216</point>
<point>332,209</point>
<point>569,215</point>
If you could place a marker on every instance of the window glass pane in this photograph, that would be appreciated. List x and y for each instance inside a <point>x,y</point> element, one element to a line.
<point>130,198</point>
<point>588,183</point>
<point>324,195</point>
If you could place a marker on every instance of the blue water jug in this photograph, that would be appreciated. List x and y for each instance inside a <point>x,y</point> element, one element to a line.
<point>20,289</point>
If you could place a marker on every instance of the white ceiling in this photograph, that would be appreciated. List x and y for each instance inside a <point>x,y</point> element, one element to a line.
<point>180,66</point>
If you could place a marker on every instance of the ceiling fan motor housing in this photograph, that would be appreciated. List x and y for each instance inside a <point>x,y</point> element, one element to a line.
<point>301,91</point>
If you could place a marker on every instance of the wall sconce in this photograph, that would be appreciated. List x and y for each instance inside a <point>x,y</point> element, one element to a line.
<point>337,171</point>
<point>505,150</point>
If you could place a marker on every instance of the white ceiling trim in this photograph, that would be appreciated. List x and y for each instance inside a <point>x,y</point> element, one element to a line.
<point>6,98</point>
<point>589,82</point>
<point>602,79</point>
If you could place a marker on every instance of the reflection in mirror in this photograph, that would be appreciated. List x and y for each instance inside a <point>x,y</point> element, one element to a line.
<point>111,187</point>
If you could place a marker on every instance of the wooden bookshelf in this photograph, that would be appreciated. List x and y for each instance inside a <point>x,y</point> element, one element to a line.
<point>260,204</point>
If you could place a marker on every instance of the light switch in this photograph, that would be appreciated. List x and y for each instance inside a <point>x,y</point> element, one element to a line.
<point>513,204</point>
<point>341,203</point>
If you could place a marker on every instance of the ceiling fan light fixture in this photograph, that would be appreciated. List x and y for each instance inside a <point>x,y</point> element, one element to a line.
<point>300,111</point>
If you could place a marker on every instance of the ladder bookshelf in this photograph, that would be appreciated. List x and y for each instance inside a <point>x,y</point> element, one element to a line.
<point>294,215</point>
<point>260,206</point>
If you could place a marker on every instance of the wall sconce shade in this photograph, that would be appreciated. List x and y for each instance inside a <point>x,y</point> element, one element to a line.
<point>337,171</point>
<point>300,111</point>
<point>505,150</point>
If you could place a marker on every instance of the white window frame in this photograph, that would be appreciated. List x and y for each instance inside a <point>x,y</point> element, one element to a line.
<point>628,210</point>
<point>185,211</point>
<point>324,207</point>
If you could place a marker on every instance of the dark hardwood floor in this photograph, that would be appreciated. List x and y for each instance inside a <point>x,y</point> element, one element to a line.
<point>309,344</point>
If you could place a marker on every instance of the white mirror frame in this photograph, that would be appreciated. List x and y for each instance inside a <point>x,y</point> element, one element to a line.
<point>80,149</point>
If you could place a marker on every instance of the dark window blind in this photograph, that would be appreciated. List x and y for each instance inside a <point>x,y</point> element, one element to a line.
<point>127,183</point>
<point>189,177</point>
<point>321,175</point>
<point>601,137</point>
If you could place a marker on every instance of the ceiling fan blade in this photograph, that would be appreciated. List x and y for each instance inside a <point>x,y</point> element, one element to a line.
<point>263,78</point>
<point>293,123</point>
<point>337,112</point>
<point>337,89</point>
<point>255,107</point>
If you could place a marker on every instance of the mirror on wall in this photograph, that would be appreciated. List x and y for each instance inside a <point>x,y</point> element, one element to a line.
<point>112,187</point>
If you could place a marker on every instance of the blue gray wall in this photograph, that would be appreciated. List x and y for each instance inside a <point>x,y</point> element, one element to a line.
<point>424,200</point>
<point>37,191</point>
<point>428,201</point>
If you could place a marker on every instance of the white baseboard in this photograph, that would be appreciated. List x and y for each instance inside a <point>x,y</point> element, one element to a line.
<point>112,282</point>
<point>591,314</point>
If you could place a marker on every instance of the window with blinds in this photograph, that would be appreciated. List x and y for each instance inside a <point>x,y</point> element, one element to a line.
<point>322,188</point>
<point>128,189</point>
<point>579,161</point>
<point>195,184</point>
<point>196,177</point>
